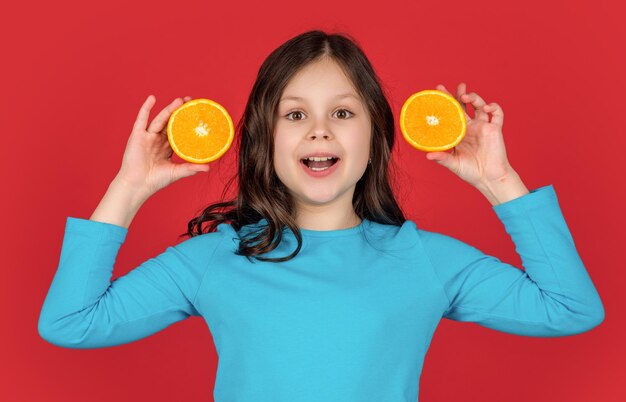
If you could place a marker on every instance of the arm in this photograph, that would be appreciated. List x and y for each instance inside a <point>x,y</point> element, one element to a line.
<point>554,296</point>
<point>84,309</point>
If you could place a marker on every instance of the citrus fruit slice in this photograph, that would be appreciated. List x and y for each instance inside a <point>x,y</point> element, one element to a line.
<point>200,131</point>
<point>431,120</point>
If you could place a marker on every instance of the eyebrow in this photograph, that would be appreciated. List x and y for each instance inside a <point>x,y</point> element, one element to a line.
<point>340,96</point>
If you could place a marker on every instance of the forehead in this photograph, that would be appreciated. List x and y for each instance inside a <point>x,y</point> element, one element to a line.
<point>323,79</point>
<point>346,95</point>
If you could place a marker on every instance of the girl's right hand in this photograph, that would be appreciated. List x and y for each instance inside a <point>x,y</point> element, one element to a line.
<point>146,164</point>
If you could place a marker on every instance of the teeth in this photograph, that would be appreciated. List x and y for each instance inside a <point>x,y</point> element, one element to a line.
<point>320,159</point>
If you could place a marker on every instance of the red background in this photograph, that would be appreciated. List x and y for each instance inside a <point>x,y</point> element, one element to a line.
<point>74,75</point>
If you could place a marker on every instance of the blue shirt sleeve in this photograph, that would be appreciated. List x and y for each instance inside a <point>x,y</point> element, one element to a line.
<point>85,309</point>
<point>552,296</point>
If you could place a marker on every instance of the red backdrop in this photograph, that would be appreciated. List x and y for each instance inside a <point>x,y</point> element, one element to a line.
<point>74,75</point>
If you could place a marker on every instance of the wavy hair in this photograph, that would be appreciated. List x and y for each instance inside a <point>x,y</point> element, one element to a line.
<point>261,195</point>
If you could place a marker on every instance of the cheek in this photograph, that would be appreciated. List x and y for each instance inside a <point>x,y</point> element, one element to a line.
<point>283,154</point>
<point>281,171</point>
<point>361,142</point>
<point>360,148</point>
<point>279,144</point>
<point>285,144</point>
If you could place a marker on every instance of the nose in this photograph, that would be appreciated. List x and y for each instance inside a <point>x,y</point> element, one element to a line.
<point>320,130</point>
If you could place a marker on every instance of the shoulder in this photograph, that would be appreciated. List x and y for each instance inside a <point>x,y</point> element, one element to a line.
<point>438,247</point>
<point>431,241</point>
<point>198,251</point>
<point>443,243</point>
<point>205,243</point>
<point>189,261</point>
<point>394,237</point>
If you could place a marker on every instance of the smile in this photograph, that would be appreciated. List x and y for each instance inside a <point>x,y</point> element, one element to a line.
<point>320,168</point>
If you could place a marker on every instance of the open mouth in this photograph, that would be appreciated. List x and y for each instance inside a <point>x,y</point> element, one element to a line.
<point>319,165</point>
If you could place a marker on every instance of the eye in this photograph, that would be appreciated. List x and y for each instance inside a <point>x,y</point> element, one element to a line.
<point>288,114</point>
<point>300,114</point>
<point>345,110</point>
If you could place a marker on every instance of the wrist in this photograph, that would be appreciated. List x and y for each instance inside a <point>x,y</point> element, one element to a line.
<point>129,192</point>
<point>505,188</point>
<point>120,204</point>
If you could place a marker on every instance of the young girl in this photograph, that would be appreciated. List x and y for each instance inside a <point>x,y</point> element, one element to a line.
<point>338,295</point>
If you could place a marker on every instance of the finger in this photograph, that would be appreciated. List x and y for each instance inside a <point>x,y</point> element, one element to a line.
<point>460,90</point>
<point>436,156</point>
<point>199,167</point>
<point>161,119</point>
<point>144,114</point>
<point>477,102</point>
<point>497,115</point>
<point>442,88</point>
<point>164,131</point>
<point>182,170</point>
<point>445,159</point>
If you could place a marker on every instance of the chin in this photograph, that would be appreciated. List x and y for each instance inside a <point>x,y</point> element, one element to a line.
<point>318,199</point>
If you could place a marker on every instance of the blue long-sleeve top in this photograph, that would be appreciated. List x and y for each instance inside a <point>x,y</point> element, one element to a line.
<point>349,319</point>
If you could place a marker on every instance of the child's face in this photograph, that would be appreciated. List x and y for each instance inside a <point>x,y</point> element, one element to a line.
<point>321,122</point>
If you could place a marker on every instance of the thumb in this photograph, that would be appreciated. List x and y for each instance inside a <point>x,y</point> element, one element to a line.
<point>445,159</point>
<point>196,168</point>
<point>440,157</point>
<point>190,169</point>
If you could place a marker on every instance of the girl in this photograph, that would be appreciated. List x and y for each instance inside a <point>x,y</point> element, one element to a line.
<point>339,294</point>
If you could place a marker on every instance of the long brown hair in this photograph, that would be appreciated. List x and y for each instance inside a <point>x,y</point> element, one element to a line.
<point>260,193</point>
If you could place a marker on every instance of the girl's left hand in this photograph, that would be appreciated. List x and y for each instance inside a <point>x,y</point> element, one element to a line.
<point>480,157</point>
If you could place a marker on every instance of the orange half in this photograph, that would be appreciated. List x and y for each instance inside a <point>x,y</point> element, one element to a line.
<point>200,131</point>
<point>431,120</point>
